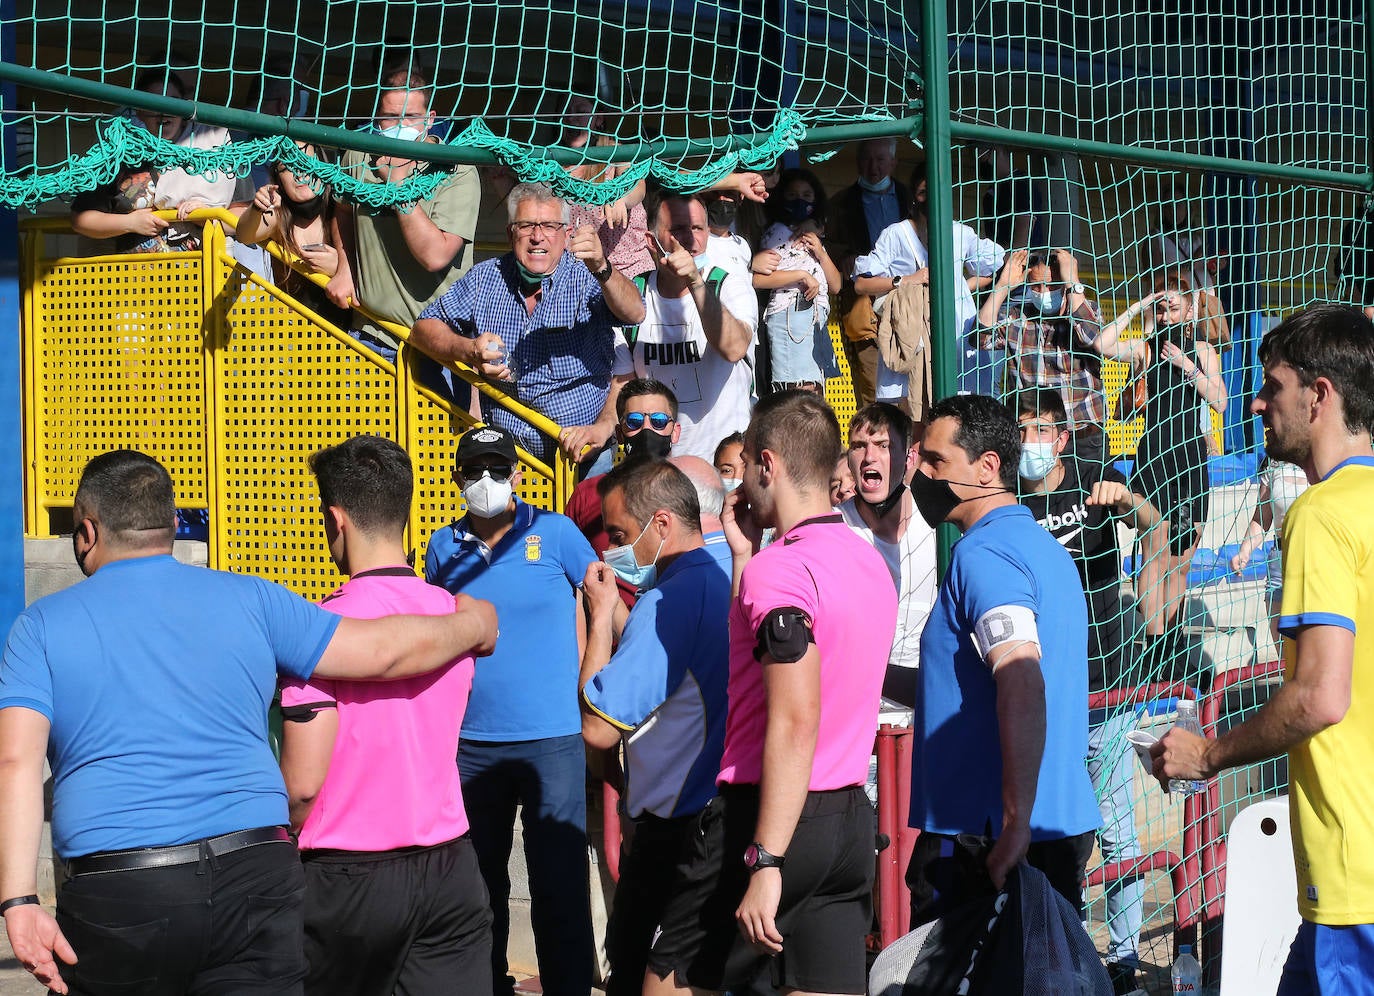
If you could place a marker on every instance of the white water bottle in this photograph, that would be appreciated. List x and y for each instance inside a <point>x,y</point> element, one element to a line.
<point>1186,974</point>
<point>1187,720</point>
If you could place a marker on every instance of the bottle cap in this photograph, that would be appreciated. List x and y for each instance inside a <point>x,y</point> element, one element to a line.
<point>1185,949</point>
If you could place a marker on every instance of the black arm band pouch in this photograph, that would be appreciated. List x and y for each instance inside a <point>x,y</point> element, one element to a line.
<point>304,712</point>
<point>784,636</point>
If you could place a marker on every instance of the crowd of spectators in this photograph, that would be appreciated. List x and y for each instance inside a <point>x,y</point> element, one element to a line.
<point>664,323</point>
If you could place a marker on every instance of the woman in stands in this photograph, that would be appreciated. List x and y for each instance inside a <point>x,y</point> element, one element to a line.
<point>1177,367</point>
<point>295,213</point>
<point>798,313</point>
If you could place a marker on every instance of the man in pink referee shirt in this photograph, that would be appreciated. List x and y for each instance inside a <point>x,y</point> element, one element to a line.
<point>781,866</point>
<point>394,899</point>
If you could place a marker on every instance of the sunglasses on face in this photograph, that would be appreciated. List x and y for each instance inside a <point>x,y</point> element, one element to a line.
<point>474,472</point>
<point>658,421</point>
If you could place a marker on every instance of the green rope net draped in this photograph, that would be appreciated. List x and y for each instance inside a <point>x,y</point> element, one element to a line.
<point>721,86</point>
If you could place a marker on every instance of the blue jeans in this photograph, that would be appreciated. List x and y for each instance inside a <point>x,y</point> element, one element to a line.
<point>547,779</point>
<point>1111,760</point>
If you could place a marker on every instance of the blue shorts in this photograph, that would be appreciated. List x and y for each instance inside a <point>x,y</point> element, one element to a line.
<point>1329,961</point>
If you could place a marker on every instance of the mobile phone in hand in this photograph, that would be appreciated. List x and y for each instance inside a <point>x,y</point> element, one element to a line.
<point>316,245</point>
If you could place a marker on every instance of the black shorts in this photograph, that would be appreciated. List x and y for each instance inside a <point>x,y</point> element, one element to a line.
<point>1173,477</point>
<point>415,921</point>
<point>824,915</point>
<point>647,867</point>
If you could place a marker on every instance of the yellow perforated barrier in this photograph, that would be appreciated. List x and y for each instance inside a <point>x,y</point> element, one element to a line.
<point>231,384</point>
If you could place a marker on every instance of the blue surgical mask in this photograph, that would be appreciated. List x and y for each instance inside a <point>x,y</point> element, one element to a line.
<point>730,483</point>
<point>880,187</point>
<point>1046,302</point>
<point>622,560</point>
<point>405,132</point>
<point>1037,460</point>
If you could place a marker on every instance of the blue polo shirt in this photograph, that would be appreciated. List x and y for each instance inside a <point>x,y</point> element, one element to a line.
<point>527,688</point>
<point>666,688</point>
<point>1005,559</point>
<point>156,677</point>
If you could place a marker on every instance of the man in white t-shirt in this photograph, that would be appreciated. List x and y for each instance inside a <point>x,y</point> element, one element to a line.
<point>881,458</point>
<point>698,331</point>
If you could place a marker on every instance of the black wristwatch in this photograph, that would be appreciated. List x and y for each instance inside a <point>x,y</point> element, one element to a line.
<point>755,857</point>
<point>603,274</point>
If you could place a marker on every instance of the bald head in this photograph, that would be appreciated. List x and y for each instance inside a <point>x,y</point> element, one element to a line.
<point>710,490</point>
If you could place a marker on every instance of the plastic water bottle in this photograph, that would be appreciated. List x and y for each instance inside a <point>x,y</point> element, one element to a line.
<point>1187,720</point>
<point>1186,974</point>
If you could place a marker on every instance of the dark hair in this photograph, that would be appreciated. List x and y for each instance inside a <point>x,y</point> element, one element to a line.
<point>1334,341</point>
<point>642,387</point>
<point>159,79</point>
<point>985,426</point>
<point>919,208</point>
<point>1174,280</point>
<point>130,495</point>
<point>802,429</point>
<point>774,205</point>
<point>734,439</point>
<point>659,196</point>
<point>1036,401</point>
<point>650,485</point>
<point>407,77</point>
<point>881,415</point>
<point>368,477</point>
<point>1043,259</point>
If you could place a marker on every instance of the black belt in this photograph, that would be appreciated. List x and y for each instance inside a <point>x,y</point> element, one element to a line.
<point>177,854</point>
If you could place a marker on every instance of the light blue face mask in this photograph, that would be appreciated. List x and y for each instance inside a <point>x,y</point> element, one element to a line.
<point>880,187</point>
<point>622,560</point>
<point>405,132</point>
<point>1047,302</point>
<point>730,483</point>
<point>1037,460</point>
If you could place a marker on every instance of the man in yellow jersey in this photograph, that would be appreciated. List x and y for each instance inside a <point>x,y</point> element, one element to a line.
<point>1317,404</point>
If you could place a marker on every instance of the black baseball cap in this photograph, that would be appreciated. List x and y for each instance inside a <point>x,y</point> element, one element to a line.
<point>485,440</point>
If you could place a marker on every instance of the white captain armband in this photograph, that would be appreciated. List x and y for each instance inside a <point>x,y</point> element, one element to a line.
<point>1002,626</point>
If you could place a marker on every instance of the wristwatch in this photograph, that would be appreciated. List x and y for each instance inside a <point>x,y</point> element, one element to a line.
<point>755,857</point>
<point>1075,288</point>
<point>603,274</point>
<point>896,280</point>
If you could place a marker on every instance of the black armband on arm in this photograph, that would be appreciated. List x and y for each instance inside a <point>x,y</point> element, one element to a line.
<point>784,636</point>
<point>306,711</point>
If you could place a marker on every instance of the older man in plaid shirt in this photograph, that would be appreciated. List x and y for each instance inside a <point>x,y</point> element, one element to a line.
<point>1049,328</point>
<point>543,318</point>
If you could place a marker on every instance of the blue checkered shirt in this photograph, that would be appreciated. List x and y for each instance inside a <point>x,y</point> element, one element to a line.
<point>563,353</point>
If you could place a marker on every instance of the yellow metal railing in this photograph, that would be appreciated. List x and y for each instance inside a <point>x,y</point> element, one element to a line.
<point>231,384</point>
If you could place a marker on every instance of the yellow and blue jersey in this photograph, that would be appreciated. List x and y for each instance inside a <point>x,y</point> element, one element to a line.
<point>1328,554</point>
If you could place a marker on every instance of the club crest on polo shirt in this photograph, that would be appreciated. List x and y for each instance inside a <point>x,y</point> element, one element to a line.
<point>534,549</point>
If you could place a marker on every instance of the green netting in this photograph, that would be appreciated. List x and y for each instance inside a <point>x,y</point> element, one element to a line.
<point>1234,132</point>
<point>1276,86</point>
<point>692,90</point>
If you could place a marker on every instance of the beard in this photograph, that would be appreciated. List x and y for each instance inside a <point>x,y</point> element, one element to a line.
<point>1287,449</point>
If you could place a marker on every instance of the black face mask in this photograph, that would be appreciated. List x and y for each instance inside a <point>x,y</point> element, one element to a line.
<point>935,500</point>
<point>648,444</point>
<point>79,555</point>
<point>307,210</point>
<point>721,213</point>
<point>888,503</point>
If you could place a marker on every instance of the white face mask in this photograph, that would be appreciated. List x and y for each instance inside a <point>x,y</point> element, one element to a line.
<point>405,132</point>
<point>730,483</point>
<point>487,498</point>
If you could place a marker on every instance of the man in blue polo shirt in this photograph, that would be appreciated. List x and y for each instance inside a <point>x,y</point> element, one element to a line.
<point>521,739</point>
<point>1004,660</point>
<point>168,809</point>
<point>663,691</point>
